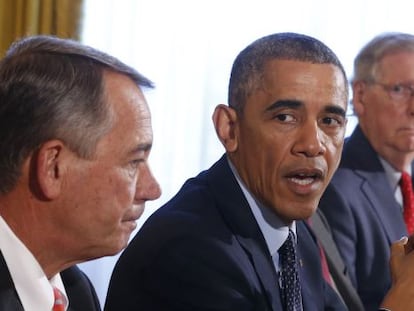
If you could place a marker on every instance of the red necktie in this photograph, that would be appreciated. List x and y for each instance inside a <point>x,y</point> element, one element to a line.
<point>59,304</point>
<point>408,201</point>
<point>324,263</point>
<point>325,269</point>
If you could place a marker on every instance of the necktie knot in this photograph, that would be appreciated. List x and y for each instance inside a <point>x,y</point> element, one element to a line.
<point>408,201</point>
<point>60,301</point>
<point>289,274</point>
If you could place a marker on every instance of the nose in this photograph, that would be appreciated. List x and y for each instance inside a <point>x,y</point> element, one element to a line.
<point>411,104</point>
<point>309,141</point>
<point>147,187</point>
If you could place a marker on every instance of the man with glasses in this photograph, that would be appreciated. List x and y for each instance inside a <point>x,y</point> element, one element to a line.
<point>365,203</point>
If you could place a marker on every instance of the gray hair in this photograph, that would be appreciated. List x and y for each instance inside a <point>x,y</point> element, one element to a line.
<point>375,50</point>
<point>52,88</point>
<point>249,65</point>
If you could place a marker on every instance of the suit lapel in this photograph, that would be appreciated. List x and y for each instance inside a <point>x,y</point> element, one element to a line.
<point>9,300</point>
<point>264,269</point>
<point>337,268</point>
<point>375,187</point>
<point>309,269</point>
<point>378,193</point>
<point>237,213</point>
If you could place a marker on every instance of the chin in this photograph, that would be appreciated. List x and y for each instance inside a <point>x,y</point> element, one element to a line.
<point>105,248</point>
<point>115,250</point>
<point>122,244</point>
<point>117,246</point>
<point>307,212</point>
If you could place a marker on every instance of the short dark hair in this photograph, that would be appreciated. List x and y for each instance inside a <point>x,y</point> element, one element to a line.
<point>52,88</point>
<point>249,65</point>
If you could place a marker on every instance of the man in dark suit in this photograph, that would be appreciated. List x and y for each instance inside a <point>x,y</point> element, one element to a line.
<point>363,203</point>
<point>336,267</point>
<point>219,244</point>
<point>75,135</point>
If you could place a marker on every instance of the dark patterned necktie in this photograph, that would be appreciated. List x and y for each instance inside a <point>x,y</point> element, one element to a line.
<point>408,201</point>
<point>290,285</point>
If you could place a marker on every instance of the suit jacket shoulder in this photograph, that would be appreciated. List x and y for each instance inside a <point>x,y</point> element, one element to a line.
<point>80,291</point>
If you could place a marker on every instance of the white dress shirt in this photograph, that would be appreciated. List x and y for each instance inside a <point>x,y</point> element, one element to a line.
<point>393,177</point>
<point>34,289</point>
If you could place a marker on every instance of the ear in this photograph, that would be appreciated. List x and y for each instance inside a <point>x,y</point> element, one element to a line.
<point>358,92</point>
<point>50,167</point>
<point>225,122</point>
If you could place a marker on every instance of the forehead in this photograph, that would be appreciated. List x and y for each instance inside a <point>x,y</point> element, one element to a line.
<point>130,115</point>
<point>303,80</point>
<point>397,65</point>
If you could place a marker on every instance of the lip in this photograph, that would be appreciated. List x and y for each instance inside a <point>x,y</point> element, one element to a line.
<point>130,219</point>
<point>305,181</point>
<point>306,171</point>
<point>130,223</point>
<point>134,214</point>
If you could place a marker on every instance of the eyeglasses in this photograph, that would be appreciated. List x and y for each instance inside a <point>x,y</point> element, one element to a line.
<point>399,92</point>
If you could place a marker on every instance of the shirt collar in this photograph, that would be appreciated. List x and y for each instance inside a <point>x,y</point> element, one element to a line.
<point>393,176</point>
<point>34,289</point>
<point>274,231</point>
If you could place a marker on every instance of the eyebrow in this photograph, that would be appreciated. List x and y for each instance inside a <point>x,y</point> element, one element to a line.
<point>141,147</point>
<point>294,104</point>
<point>337,110</point>
<point>286,103</point>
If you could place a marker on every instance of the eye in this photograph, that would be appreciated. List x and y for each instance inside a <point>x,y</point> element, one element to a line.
<point>283,117</point>
<point>134,163</point>
<point>398,89</point>
<point>133,167</point>
<point>333,121</point>
<point>330,121</point>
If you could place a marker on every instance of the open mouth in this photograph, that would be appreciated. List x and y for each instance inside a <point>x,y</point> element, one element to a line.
<point>306,177</point>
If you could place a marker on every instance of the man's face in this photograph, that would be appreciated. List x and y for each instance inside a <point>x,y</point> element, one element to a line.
<point>388,123</point>
<point>290,136</point>
<point>106,195</point>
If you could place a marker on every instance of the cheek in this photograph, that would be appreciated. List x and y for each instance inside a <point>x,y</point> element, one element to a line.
<point>126,189</point>
<point>381,111</point>
<point>115,193</point>
<point>122,190</point>
<point>264,160</point>
<point>333,153</point>
<point>267,168</point>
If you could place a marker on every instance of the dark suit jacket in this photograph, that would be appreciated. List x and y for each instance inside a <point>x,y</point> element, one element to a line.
<point>365,218</point>
<point>81,294</point>
<point>203,250</point>
<point>336,265</point>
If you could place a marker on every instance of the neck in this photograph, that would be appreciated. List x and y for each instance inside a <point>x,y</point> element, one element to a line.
<point>36,232</point>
